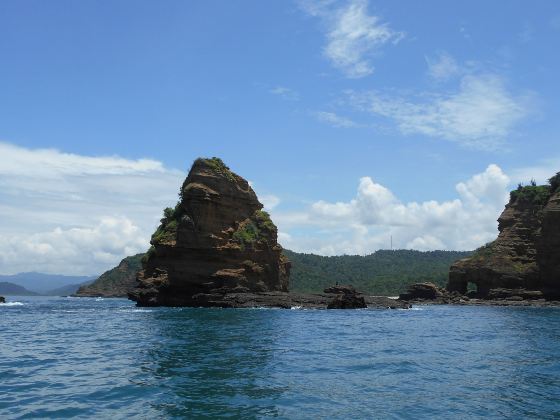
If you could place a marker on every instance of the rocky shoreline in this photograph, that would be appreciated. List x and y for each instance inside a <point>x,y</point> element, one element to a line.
<point>336,297</point>
<point>430,294</point>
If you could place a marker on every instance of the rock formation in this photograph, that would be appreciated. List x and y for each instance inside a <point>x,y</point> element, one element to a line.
<point>117,282</point>
<point>346,297</point>
<point>524,261</point>
<point>422,291</point>
<point>216,241</point>
<point>2,299</point>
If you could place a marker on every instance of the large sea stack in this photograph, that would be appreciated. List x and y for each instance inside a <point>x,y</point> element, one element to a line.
<point>217,241</point>
<point>524,261</point>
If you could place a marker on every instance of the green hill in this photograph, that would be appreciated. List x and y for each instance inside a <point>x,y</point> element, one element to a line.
<point>381,273</point>
<point>117,281</point>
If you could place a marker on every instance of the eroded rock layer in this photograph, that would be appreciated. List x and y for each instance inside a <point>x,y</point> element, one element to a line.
<point>525,258</point>
<point>217,240</point>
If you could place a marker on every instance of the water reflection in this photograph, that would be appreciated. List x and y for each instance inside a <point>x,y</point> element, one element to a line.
<point>213,361</point>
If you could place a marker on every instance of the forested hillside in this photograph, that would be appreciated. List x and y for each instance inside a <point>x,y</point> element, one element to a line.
<point>381,273</point>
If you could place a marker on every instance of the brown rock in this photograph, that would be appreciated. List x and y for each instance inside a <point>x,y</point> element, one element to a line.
<point>347,301</point>
<point>217,240</point>
<point>419,291</point>
<point>343,288</point>
<point>525,257</point>
<point>548,248</point>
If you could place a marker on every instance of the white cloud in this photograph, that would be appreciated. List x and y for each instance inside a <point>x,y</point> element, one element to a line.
<point>335,120</point>
<point>353,35</point>
<point>480,114</point>
<point>79,250</point>
<point>285,93</point>
<point>443,67</point>
<point>366,223</point>
<point>269,201</point>
<point>59,205</point>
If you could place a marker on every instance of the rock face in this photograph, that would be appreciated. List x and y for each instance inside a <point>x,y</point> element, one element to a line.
<point>422,291</point>
<point>216,241</point>
<point>346,298</point>
<point>548,248</point>
<point>525,258</point>
<point>117,282</point>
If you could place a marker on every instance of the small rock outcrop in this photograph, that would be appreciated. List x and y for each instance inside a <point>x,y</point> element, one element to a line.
<point>524,261</point>
<point>420,291</point>
<point>2,299</point>
<point>216,241</point>
<point>116,282</point>
<point>346,298</point>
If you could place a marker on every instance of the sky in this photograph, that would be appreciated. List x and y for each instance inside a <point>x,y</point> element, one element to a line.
<point>355,121</point>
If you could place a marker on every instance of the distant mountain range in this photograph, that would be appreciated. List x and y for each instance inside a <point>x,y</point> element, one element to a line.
<point>28,284</point>
<point>11,289</point>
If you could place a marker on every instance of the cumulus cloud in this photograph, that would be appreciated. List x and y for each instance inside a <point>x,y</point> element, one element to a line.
<point>72,214</point>
<point>78,250</point>
<point>334,119</point>
<point>481,113</point>
<point>353,35</point>
<point>366,223</point>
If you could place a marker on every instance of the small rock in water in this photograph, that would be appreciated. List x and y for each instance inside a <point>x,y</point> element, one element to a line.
<point>347,298</point>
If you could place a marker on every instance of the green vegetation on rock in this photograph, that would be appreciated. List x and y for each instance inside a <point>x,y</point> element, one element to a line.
<point>146,257</point>
<point>485,250</point>
<point>531,194</point>
<point>246,234</point>
<point>535,194</point>
<point>554,183</point>
<point>264,221</point>
<point>381,273</point>
<point>254,230</point>
<point>218,166</point>
<point>167,230</point>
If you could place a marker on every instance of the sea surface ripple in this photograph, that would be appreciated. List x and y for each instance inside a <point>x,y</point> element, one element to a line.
<point>105,358</point>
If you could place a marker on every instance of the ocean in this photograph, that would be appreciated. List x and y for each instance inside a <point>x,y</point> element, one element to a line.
<point>105,358</point>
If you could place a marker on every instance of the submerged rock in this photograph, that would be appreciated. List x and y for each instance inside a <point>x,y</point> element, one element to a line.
<point>524,260</point>
<point>216,241</point>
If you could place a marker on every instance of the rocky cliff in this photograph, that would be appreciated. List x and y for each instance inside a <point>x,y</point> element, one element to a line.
<point>524,261</point>
<point>216,241</point>
<point>116,282</point>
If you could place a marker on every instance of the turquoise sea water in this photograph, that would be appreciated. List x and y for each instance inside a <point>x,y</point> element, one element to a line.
<point>103,358</point>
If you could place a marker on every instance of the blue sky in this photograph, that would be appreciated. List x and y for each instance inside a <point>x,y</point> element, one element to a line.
<point>354,120</point>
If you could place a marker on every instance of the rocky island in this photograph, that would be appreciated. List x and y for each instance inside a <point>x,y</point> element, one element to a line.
<point>521,267</point>
<point>218,247</point>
